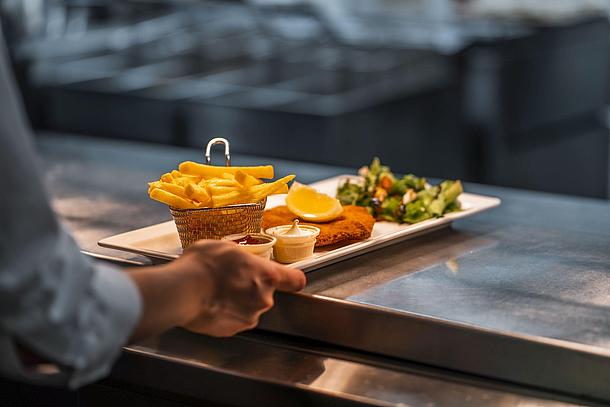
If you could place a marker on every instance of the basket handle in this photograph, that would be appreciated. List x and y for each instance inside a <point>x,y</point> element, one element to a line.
<point>213,142</point>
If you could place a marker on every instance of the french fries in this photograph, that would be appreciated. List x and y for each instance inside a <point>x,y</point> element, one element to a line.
<point>263,190</point>
<point>245,179</point>
<point>202,170</point>
<point>198,193</point>
<point>169,187</point>
<point>196,185</point>
<point>172,200</point>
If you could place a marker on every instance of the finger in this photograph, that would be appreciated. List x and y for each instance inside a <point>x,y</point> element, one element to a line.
<point>224,324</point>
<point>231,325</point>
<point>263,300</point>
<point>223,329</point>
<point>255,299</point>
<point>289,279</point>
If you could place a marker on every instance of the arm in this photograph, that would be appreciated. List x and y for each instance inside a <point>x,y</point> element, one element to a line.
<point>53,301</point>
<point>57,306</point>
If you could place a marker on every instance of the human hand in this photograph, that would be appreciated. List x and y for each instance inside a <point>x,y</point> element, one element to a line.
<point>214,288</point>
<point>237,287</point>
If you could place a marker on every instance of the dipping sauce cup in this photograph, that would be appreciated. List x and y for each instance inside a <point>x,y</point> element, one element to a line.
<point>259,244</point>
<point>294,242</point>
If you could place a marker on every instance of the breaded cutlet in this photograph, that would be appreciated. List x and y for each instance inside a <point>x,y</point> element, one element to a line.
<point>355,223</point>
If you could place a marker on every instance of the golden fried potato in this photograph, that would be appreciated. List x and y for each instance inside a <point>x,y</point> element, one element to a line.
<point>221,190</point>
<point>231,198</point>
<point>177,174</point>
<point>197,192</point>
<point>222,182</point>
<point>263,190</point>
<point>173,188</point>
<point>246,180</point>
<point>197,185</point>
<point>282,190</point>
<point>192,168</point>
<point>172,200</point>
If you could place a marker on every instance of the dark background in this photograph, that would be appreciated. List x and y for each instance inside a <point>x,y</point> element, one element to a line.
<point>450,89</point>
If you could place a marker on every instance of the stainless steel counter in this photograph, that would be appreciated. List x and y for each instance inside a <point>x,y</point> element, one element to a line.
<point>517,294</point>
<point>514,302</point>
<point>284,371</point>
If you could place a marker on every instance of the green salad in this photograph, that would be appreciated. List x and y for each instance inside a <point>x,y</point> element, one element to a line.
<point>409,199</point>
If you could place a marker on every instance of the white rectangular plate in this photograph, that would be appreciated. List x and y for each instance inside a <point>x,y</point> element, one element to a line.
<point>161,240</point>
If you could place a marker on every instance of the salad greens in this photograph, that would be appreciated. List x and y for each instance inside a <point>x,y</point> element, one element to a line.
<point>409,199</point>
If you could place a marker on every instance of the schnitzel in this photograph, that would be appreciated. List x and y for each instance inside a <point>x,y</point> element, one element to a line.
<point>355,223</point>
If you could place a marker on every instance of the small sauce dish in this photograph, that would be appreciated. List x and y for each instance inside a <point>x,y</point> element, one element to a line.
<point>294,242</point>
<point>258,244</point>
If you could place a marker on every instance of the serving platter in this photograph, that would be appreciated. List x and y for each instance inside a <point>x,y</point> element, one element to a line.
<point>161,240</point>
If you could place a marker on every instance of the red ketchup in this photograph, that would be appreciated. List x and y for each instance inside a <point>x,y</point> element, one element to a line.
<point>249,239</point>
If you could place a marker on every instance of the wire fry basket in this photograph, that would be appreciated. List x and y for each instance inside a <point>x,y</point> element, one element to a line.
<point>215,223</point>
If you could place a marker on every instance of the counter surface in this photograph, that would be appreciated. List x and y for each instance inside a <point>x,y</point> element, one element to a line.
<point>538,265</point>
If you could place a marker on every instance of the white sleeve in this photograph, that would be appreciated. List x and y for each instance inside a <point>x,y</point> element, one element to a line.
<point>53,299</point>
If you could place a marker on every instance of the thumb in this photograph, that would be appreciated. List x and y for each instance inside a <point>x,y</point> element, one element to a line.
<point>288,279</point>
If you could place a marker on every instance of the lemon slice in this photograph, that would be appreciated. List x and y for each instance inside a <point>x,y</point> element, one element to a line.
<point>311,205</point>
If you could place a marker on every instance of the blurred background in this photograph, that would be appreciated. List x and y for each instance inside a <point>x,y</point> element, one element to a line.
<point>505,92</point>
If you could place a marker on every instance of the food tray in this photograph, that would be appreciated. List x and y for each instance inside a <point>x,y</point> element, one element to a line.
<point>161,240</point>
